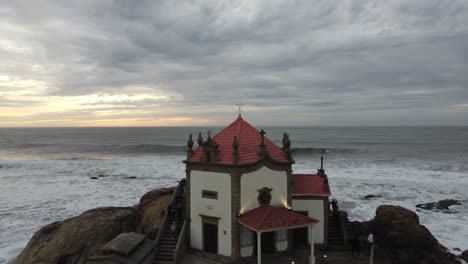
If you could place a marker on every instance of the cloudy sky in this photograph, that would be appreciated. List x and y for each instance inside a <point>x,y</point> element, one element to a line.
<point>158,63</point>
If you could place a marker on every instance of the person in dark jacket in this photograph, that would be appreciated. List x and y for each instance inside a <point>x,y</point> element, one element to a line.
<point>355,246</point>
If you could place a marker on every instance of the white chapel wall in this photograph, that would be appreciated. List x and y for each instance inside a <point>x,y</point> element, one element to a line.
<point>315,210</point>
<point>211,181</point>
<point>264,177</point>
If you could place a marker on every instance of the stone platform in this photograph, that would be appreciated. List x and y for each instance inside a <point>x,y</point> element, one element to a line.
<point>332,257</point>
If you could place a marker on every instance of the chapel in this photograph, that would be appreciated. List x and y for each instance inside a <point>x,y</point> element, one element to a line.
<point>243,199</point>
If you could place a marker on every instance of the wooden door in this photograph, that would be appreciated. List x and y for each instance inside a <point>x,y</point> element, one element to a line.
<point>301,235</point>
<point>268,242</point>
<point>210,238</point>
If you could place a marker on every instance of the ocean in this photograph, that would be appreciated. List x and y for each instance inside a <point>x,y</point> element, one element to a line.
<point>45,172</point>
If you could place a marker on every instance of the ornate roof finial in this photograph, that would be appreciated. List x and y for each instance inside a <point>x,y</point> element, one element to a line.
<point>287,146</point>
<point>235,151</point>
<point>190,142</point>
<point>199,139</point>
<point>262,151</point>
<point>262,134</point>
<point>190,147</point>
<point>286,141</point>
<point>209,135</point>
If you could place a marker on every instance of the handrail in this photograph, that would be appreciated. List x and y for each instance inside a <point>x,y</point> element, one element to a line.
<point>180,246</point>
<point>163,226</point>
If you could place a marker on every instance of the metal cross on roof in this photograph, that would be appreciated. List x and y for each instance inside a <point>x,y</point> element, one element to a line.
<point>262,134</point>
<point>240,108</point>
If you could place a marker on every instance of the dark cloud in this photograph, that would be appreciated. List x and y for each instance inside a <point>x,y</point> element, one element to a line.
<point>356,62</point>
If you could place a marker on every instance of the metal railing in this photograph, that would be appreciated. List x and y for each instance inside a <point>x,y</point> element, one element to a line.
<point>163,226</point>
<point>181,243</point>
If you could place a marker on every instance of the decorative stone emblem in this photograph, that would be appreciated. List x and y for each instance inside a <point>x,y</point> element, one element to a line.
<point>264,196</point>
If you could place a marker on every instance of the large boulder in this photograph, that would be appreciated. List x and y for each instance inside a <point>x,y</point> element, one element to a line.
<point>397,231</point>
<point>75,239</point>
<point>464,256</point>
<point>440,205</point>
<point>151,209</point>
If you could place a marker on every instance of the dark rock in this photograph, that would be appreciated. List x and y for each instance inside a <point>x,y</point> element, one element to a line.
<point>398,232</point>
<point>132,177</point>
<point>93,178</point>
<point>152,208</point>
<point>440,205</point>
<point>464,255</point>
<point>75,239</point>
<point>356,228</point>
<point>370,196</point>
<point>457,249</point>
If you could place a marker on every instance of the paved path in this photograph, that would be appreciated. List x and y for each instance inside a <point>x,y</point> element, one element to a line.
<point>322,257</point>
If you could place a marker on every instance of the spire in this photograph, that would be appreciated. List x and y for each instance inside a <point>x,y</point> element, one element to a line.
<point>240,108</point>
<point>321,171</point>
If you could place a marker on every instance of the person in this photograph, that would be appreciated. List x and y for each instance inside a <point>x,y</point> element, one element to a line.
<point>179,213</point>
<point>173,230</point>
<point>169,210</point>
<point>334,204</point>
<point>355,246</point>
<point>370,240</point>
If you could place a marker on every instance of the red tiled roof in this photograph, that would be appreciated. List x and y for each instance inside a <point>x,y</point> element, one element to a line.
<point>310,184</point>
<point>267,217</point>
<point>248,138</point>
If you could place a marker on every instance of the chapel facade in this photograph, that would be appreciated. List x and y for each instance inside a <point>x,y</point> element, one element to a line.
<point>243,199</point>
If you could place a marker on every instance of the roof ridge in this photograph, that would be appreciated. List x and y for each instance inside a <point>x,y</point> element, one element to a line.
<point>239,128</point>
<point>226,128</point>
<point>266,213</point>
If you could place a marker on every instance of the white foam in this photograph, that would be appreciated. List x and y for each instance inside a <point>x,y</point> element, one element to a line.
<point>406,187</point>
<point>38,192</point>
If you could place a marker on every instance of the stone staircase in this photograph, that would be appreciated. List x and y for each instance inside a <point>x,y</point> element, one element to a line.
<point>167,245</point>
<point>335,234</point>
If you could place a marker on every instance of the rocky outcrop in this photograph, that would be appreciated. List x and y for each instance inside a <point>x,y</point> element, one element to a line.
<point>440,205</point>
<point>75,239</point>
<point>151,209</point>
<point>398,232</point>
<point>464,255</point>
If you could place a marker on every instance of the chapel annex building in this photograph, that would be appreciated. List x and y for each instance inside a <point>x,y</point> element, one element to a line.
<point>243,199</point>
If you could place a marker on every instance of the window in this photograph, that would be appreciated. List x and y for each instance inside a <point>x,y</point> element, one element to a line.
<point>282,235</point>
<point>209,194</point>
<point>246,237</point>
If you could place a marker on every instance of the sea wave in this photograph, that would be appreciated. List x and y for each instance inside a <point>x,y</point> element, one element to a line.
<point>146,148</point>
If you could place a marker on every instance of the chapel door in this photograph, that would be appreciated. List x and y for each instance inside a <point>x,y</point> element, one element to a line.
<point>210,238</point>
<point>268,242</point>
<point>301,235</point>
